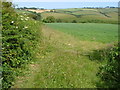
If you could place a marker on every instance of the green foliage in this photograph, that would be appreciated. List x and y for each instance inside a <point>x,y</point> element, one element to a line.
<point>51,10</point>
<point>74,21</point>
<point>110,73</point>
<point>58,20</point>
<point>49,19</point>
<point>19,38</point>
<point>34,15</point>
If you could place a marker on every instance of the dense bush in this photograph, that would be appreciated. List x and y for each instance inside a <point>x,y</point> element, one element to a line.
<point>58,20</point>
<point>109,72</point>
<point>49,19</point>
<point>34,15</point>
<point>74,21</point>
<point>19,38</point>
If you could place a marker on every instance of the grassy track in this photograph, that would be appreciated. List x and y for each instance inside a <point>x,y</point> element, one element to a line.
<point>62,64</point>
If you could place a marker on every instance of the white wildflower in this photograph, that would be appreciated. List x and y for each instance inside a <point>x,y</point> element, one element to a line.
<point>69,44</point>
<point>21,18</point>
<point>25,27</point>
<point>27,17</point>
<point>12,22</point>
<point>16,26</point>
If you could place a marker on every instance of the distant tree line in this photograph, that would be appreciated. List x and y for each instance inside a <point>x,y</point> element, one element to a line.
<point>99,7</point>
<point>51,19</point>
<point>22,8</point>
<point>34,15</point>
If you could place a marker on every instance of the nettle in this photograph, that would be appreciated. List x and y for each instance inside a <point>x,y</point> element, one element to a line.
<point>18,41</point>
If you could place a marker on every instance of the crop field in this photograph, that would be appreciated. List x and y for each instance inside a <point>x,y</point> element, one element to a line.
<point>105,33</point>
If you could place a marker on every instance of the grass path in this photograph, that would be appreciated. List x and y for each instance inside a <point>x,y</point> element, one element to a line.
<point>62,63</point>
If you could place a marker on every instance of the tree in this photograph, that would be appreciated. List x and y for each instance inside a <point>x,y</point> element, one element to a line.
<point>74,21</point>
<point>49,19</point>
<point>58,20</point>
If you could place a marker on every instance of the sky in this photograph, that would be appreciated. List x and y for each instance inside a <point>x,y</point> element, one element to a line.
<point>61,4</point>
<point>65,0</point>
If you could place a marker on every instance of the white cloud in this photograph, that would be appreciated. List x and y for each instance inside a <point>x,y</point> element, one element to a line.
<point>65,0</point>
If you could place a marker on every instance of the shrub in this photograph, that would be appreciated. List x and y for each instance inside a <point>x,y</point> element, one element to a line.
<point>19,38</point>
<point>34,15</point>
<point>109,72</point>
<point>49,19</point>
<point>58,20</point>
<point>74,21</point>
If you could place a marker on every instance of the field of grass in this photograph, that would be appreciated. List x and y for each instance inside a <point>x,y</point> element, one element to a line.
<point>105,33</point>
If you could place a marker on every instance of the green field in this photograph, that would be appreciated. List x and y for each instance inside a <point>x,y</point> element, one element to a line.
<point>105,33</point>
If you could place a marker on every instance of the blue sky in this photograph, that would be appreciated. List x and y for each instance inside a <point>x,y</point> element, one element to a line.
<point>59,4</point>
<point>65,0</point>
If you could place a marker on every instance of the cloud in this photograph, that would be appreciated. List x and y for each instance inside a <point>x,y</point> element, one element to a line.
<point>65,0</point>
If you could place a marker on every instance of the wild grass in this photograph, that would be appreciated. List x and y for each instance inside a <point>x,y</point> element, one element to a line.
<point>62,65</point>
<point>62,60</point>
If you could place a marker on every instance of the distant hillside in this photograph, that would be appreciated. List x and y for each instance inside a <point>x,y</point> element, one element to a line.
<point>85,15</point>
<point>79,15</point>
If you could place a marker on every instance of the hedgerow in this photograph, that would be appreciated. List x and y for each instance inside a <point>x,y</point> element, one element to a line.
<point>20,35</point>
<point>109,71</point>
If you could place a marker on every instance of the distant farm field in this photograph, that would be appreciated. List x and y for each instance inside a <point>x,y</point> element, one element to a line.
<point>105,33</point>
<point>63,16</point>
<point>84,15</point>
